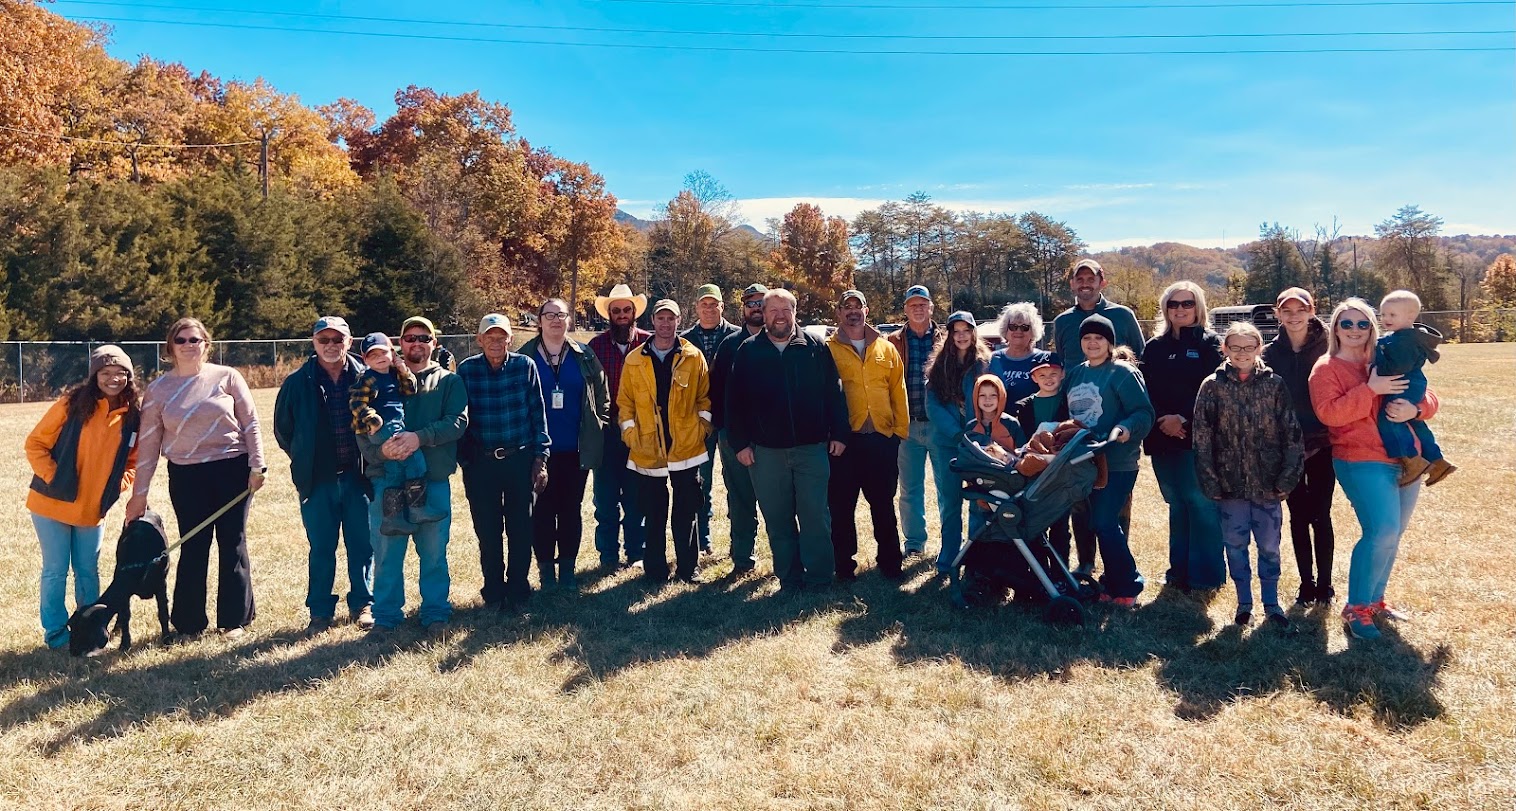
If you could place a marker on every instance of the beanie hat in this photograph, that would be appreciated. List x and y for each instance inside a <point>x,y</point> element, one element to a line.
<point>1098,325</point>
<point>109,355</point>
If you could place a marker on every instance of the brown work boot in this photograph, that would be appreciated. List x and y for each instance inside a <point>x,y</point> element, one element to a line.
<point>1411,468</point>
<point>364,618</point>
<point>1439,470</point>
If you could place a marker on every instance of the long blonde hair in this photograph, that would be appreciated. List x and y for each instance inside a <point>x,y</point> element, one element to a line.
<point>1353,303</point>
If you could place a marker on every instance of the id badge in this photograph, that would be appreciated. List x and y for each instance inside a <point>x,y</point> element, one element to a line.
<point>557,398</point>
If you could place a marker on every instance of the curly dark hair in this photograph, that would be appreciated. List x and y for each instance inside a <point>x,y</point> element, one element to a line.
<point>945,368</point>
<point>83,397</point>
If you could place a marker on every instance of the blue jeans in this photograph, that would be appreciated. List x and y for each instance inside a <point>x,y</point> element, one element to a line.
<point>1260,521</point>
<point>791,484</point>
<point>617,511</point>
<point>1121,578</point>
<point>403,470</point>
<point>1384,512</point>
<point>389,566</point>
<point>65,546</point>
<point>707,511</point>
<point>1196,559</point>
<point>917,448</point>
<point>338,505</point>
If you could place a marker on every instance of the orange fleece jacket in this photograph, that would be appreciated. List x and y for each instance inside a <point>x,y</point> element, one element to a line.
<point>98,441</point>
<point>1346,405</point>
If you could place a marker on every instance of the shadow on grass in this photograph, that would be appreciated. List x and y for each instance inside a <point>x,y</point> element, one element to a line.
<point>1391,679</point>
<point>203,680</point>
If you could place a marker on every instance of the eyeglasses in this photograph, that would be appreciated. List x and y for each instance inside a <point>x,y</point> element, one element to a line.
<point>1348,323</point>
<point>1018,327</point>
<point>850,307</point>
<point>324,341</point>
<point>755,304</point>
<point>417,339</point>
<point>181,340</point>
<point>1235,348</point>
<point>554,316</point>
<point>1175,304</point>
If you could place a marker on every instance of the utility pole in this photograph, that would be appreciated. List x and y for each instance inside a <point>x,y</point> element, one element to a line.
<point>263,160</point>
<point>1354,242</point>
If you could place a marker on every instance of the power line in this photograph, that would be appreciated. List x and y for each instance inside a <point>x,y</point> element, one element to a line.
<point>789,34</point>
<point>818,51</point>
<point>1039,7</point>
<point>121,143</point>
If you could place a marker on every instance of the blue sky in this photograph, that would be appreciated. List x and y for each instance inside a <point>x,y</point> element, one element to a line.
<point>1126,148</point>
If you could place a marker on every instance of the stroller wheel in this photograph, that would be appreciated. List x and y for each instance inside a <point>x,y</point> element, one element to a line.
<point>1064,610</point>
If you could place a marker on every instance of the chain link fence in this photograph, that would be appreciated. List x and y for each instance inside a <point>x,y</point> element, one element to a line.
<point>41,370</point>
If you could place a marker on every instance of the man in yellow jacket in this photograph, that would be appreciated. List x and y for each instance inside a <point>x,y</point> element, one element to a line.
<point>873,381</point>
<point>665,408</point>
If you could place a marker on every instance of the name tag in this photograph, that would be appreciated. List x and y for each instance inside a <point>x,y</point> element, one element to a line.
<point>557,398</point>
<point>1192,354</point>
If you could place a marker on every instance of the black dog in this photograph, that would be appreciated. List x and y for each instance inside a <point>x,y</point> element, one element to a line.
<point>141,570</point>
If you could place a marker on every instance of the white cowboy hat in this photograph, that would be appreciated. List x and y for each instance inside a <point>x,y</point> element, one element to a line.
<point>620,292</point>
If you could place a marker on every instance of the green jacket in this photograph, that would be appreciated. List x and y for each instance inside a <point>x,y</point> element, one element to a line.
<point>597,401</point>
<point>438,414</point>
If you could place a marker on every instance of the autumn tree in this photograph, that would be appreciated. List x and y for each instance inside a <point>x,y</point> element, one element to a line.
<point>46,62</point>
<point>814,259</point>
<point>1499,292</point>
<point>1274,263</point>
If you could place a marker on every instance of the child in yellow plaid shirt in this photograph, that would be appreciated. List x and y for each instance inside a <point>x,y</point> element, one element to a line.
<point>378,406</point>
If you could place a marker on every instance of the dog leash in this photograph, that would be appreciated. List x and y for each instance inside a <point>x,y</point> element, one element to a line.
<point>192,533</point>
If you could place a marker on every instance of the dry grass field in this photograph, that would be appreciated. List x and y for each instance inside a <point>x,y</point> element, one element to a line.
<point>724,695</point>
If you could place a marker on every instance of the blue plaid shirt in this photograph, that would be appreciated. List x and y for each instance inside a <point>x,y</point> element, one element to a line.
<point>505,408</point>
<point>334,394</point>
<point>919,349</point>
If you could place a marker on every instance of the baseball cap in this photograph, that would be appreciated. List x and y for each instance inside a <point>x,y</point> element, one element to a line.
<point>917,291</point>
<point>707,291</point>
<point>961,315</point>
<point>755,290</point>
<point>335,322</point>
<point>376,340</point>
<point>420,321</point>
<point>847,294</point>
<point>1051,362</point>
<point>667,304</point>
<point>1089,264</point>
<point>1297,293</point>
<point>493,321</point>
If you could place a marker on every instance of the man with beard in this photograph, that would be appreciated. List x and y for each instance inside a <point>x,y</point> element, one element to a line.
<point>785,415</point>
<point>618,517</point>
<point>873,383</point>
<point>1088,283</point>
<point>741,503</point>
<point>665,419</point>
<point>313,426</point>
<point>436,417</point>
<point>707,335</point>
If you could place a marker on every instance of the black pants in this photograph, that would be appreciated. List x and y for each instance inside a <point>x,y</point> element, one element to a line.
<point>870,466</point>
<point>1084,534</point>
<point>557,523</point>
<point>196,491</point>
<point>1060,539</point>
<point>653,497</point>
<point>1311,509</point>
<point>499,493</point>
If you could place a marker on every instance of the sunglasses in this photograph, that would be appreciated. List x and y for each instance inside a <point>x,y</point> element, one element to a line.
<point>181,340</point>
<point>417,339</point>
<point>623,310</point>
<point>1175,304</point>
<point>1348,323</point>
<point>850,307</point>
<point>329,341</point>
<point>756,304</point>
<point>1018,327</point>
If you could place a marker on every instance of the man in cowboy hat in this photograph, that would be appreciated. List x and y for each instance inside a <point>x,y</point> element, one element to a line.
<point>615,489</point>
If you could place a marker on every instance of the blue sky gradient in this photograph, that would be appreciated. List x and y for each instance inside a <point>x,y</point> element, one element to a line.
<point>1126,148</point>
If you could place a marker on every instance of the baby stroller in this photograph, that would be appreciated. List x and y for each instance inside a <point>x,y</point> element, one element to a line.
<point>1011,552</point>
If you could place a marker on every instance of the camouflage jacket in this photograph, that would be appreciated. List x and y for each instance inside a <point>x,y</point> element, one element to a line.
<point>1246,437</point>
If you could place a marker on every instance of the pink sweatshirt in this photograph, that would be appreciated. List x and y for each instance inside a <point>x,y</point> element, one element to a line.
<point>197,418</point>
<point>1346,405</point>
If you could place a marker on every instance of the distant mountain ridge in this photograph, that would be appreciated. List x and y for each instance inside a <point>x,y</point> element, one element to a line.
<point>647,225</point>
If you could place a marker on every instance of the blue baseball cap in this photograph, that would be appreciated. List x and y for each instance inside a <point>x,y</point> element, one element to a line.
<point>375,340</point>
<point>917,291</point>
<point>964,316</point>
<point>335,322</point>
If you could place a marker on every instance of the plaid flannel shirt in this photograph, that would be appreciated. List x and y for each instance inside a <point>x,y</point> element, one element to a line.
<point>505,408</point>
<point>611,358</point>
<point>376,398</point>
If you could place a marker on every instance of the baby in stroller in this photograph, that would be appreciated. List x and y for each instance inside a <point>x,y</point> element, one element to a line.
<point>1023,492</point>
